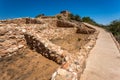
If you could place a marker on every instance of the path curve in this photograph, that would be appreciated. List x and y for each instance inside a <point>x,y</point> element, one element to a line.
<point>103,62</point>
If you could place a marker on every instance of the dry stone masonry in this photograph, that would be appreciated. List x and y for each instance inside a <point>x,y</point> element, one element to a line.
<point>11,40</point>
<point>46,48</point>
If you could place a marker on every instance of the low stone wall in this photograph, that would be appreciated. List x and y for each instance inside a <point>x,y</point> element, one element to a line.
<point>65,24</point>
<point>85,29</point>
<point>22,21</point>
<point>11,40</point>
<point>11,51</point>
<point>46,48</point>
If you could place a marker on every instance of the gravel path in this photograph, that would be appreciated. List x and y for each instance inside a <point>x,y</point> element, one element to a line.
<point>103,62</point>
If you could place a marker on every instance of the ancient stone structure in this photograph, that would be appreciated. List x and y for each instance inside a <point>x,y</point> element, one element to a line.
<point>21,21</point>
<point>39,35</point>
<point>64,24</point>
<point>85,29</point>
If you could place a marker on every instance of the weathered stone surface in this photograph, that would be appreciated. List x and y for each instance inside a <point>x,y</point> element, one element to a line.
<point>85,29</point>
<point>2,40</point>
<point>11,39</point>
<point>22,21</point>
<point>62,74</point>
<point>2,31</point>
<point>45,47</point>
<point>65,24</point>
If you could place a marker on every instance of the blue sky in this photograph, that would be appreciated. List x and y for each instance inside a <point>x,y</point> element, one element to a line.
<point>102,11</point>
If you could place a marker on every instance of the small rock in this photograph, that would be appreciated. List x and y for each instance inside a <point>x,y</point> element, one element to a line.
<point>66,65</point>
<point>54,75</point>
<point>65,75</point>
<point>52,55</point>
<point>23,30</point>
<point>2,31</point>
<point>77,63</point>
<point>20,46</point>
<point>61,71</point>
<point>10,32</point>
<point>2,40</point>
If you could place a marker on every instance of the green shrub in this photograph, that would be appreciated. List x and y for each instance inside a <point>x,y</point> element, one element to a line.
<point>114,27</point>
<point>77,18</point>
<point>89,20</point>
<point>74,17</point>
<point>39,15</point>
<point>59,17</point>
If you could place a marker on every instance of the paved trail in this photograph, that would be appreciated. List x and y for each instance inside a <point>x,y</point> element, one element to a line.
<point>103,62</point>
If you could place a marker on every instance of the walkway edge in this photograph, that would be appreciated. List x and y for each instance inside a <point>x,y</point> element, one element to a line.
<point>115,41</point>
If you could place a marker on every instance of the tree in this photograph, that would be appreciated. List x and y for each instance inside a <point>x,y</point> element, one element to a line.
<point>77,18</point>
<point>89,20</point>
<point>59,17</point>
<point>114,27</point>
<point>71,16</point>
<point>74,17</point>
<point>64,11</point>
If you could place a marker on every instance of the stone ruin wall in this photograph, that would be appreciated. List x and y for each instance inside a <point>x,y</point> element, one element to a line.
<point>45,48</point>
<point>11,40</point>
<point>64,24</point>
<point>21,21</point>
<point>85,29</point>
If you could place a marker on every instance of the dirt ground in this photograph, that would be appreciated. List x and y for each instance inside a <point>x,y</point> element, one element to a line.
<point>73,42</point>
<point>26,65</point>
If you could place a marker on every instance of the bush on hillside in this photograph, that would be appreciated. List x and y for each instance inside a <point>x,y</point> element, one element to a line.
<point>89,20</point>
<point>114,27</point>
<point>39,15</point>
<point>59,17</point>
<point>74,17</point>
